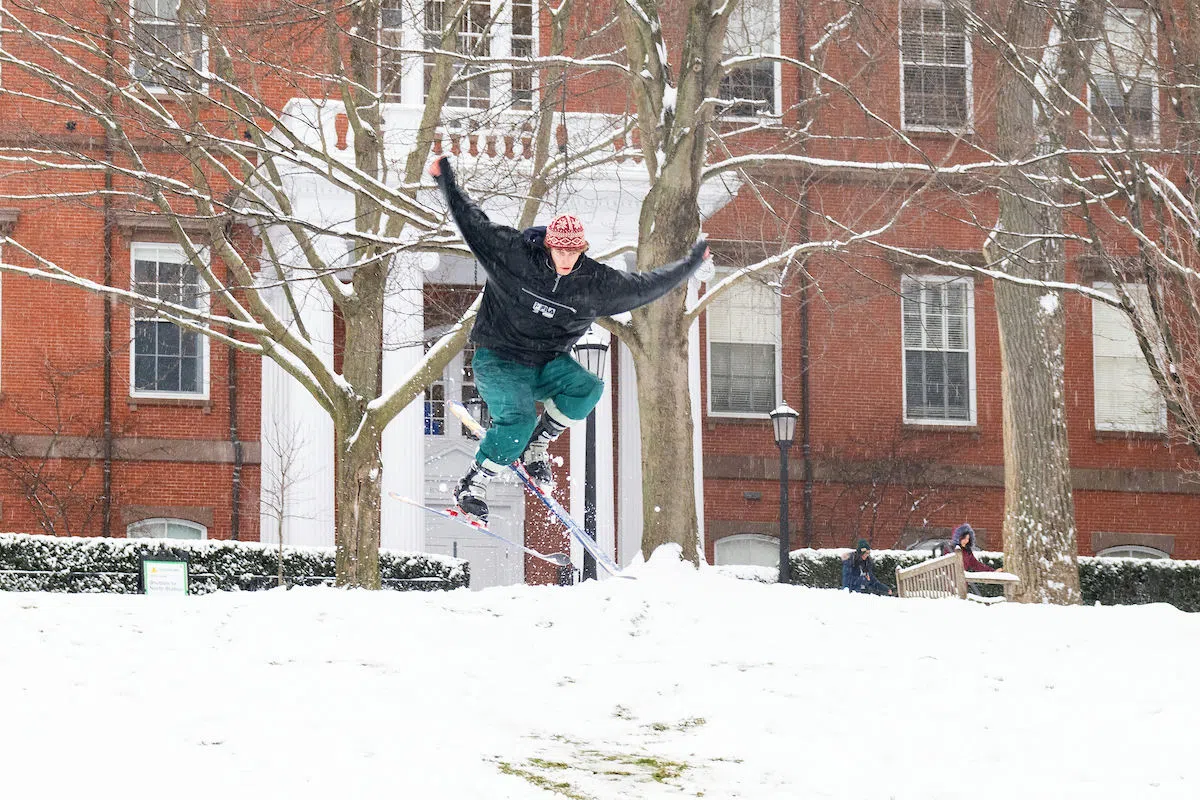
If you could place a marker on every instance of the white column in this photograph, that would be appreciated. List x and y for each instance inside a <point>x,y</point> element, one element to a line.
<point>695,351</point>
<point>403,526</point>
<point>629,465</point>
<point>291,417</point>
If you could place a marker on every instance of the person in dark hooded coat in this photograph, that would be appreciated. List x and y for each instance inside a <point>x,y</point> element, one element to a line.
<point>858,572</point>
<point>962,541</point>
<point>542,294</point>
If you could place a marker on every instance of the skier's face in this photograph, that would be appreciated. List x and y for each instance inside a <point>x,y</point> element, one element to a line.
<point>564,260</point>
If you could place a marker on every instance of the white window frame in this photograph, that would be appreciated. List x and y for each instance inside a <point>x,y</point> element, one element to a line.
<point>775,115</point>
<point>158,88</point>
<point>176,252</point>
<point>452,382</point>
<point>740,538</point>
<point>165,521</point>
<point>1116,551</point>
<point>398,40</point>
<point>1160,425</point>
<point>778,344</point>
<point>971,354</point>
<point>968,126</point>
<point>412,39</point>
<point>1155,111</point>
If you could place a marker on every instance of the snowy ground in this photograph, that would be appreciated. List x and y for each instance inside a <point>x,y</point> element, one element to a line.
<point>679,684</point>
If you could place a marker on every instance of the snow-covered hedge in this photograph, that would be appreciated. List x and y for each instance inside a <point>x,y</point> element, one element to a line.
<point>1109,581</point>
<point>72,564</point>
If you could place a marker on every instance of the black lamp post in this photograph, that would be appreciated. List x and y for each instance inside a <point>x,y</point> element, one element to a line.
<point>591,352</point>
<point>783,419</point>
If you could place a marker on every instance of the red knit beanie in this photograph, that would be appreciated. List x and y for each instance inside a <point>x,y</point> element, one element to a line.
<point>565,232</point>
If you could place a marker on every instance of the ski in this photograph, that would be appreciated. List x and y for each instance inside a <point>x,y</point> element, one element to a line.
<point>587,542</point>
<point>557,559</point>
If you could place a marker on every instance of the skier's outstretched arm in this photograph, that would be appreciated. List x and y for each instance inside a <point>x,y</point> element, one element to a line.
<point>629,290</point>
<point>487,240</point>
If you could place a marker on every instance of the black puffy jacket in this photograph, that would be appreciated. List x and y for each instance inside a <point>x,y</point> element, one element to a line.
<point>530,313</point>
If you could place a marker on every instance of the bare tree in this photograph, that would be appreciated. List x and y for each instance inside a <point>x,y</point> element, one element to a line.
<point>283,470</point>
<point>188,123</point>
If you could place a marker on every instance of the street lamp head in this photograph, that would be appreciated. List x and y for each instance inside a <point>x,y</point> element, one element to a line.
<point>783,419</point>
<point>592,350</point>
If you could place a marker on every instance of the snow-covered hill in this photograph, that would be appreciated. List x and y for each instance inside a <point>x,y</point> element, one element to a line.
<point>678,684</point>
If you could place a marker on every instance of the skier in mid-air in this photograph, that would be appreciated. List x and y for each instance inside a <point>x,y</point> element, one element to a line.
<point>542,294</point>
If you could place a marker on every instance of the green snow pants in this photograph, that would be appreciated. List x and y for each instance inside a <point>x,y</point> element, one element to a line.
<point>510,390</point>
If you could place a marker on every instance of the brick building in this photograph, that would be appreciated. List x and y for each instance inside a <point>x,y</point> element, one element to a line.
<point>163,432</point>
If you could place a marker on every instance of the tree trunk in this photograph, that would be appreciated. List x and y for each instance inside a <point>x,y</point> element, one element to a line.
<point>357,495</point>
<point>665,408</point>
<point>1039,511</point>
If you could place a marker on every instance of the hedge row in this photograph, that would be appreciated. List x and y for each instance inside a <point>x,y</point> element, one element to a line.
<point>32,563</point>
<point>1108,581</point>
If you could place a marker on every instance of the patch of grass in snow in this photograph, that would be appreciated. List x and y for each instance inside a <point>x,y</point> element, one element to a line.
<point>682,725</point>
<point>663,770</point>
<point>635,767</point>
<point>542,782</point>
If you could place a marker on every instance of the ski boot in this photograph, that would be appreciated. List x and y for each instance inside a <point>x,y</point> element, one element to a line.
<point>537,456</point>
<point>471,493</point>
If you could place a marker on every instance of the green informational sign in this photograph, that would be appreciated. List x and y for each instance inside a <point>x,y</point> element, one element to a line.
<point>164,576</point>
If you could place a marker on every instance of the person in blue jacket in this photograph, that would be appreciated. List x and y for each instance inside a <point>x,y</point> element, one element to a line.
<point>541,295</point>
<point>858,572</point>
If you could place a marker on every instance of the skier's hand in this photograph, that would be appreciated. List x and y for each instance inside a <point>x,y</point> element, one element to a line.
<point>705,269</point>
<point>435,169</point>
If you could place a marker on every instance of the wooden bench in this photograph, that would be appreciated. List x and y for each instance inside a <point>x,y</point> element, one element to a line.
<point>944,577</point>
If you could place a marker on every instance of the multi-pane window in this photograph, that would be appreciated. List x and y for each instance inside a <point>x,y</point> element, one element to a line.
<point>1125,71</point>
<point>457,383</point>
<point>743,346</point>
<point>1132,551</point>
<point>755,549</point>
<point>391,37</point>
<point>473,38</point>
<point>166,529</point>
<point>166,359</point>
<point>753,30</point>
<point>522,47</point>
<point>937,323</point>
<point>483,29</point>
<point>168,43</point>
<point>1127,396</point>
<point>935,59</point>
